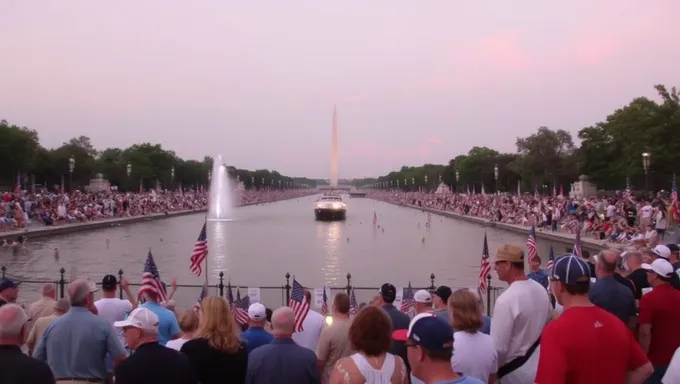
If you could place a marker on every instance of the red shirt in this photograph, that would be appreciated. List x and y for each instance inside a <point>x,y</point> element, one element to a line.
<point>661,309</point>
<point>587,345</point>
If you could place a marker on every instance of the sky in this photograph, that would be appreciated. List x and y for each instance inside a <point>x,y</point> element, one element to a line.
<point>256,81</point>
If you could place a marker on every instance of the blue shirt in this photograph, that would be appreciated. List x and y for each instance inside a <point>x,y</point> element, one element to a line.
<point>540,277</point>
<point>462,380</point>
<point>613,297</point>
<point>486,327</point>
<point>167,322</point>
<point>76,343</point>
<point>255,337</point>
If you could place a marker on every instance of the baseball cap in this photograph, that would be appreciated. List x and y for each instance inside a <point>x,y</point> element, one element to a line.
<point>659,266</point>
<point>257,312</point>
<point>388,292</point>
<point>662,251</point>
<point>673,247</point>
<point>511,253</point>
<point>443,292</point>
<point>141,318</point>
<point>570,269</point>
<point>427,331</point>
<point>6,283</point>
<point>422,296</point>
<point>109,282</point>
<point>93,286</point>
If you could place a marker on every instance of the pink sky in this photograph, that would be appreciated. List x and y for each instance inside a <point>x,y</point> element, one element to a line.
<point>414,82</point>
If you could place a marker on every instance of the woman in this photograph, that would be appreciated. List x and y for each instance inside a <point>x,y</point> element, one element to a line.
<point>371,336</point>
<point>188,323</point>
<point>216,352</point>
<point>661,220</point>
<point>474,353</point>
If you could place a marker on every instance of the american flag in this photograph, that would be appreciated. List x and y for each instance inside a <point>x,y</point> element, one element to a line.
<point>240,308</point>
<point>531,244</point>
<point>17,189</point>
<point>674,190</point>
<point>554,191</point>
<point>551,258</point>
<point>62,187</point>
<point>627,194</point>
<point>484,267</point>
<point>151,280</point>
<point>324,305</point>
<point>204,293</point>
<point>407,300</point>
<point>561,190</point>
<point>577,242</point>
<point>353,306</point>
<point>299,304</point>
<point>200,252</point>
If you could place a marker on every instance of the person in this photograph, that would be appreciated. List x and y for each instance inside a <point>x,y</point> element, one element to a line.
<point>256,336</point>
<point>168,329</point>
<point>216,352</point>
<point>140,330</point>
<point>312,325</point>
<point>429,343</point>
<point>371,337</point>
<point>9,291</point>
<point>15,366</point>
<point>440,297</point>
<point>188,323</point>
<point>334,341</point>
<point>61,307</point>
<point>609,294</point>
<point>398,319</point>
<point>585,334</point>
<point>282,360</point>
<point>75,344</point>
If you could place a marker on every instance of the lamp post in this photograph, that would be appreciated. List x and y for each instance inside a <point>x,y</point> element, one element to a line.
<point>71,167</point>
<point>426,185</point>
<point>172,173</point>
<point>129,170</point>
<point>645,166</point>
<point>495,176</point>
<point>457,178</point>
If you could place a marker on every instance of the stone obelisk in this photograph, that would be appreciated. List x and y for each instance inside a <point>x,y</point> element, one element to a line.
<point>334,150</point>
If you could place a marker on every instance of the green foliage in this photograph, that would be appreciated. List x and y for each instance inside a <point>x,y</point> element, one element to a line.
<point>21,153</point>
<point>610,151</point>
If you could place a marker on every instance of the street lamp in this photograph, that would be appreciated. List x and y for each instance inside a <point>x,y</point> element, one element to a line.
<point>71,167</point>
<point>645,165</point>
<point>457,177</point>
<point>129,169</point>
<point>495,175</point>
<point>426,185</point>
<point>172,173</point>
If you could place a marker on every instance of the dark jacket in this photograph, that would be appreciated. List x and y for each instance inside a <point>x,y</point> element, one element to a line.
<point>282,361</point>
<point>154,363</point>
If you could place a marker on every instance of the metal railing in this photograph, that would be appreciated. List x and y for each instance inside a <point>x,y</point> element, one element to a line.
<point>269,294</point>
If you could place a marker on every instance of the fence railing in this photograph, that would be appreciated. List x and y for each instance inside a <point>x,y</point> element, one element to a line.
<point>364,294</point>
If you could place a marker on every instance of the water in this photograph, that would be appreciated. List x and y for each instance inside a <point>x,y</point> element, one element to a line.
<point>220,203</point>
<point>269,240</point>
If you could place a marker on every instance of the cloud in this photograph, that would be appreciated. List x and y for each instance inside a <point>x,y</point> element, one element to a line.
<point>421,151</point>
<point>502,51</point>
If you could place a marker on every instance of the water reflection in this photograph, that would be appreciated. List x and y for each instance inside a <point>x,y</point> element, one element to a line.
<point>218,248</point>
<point>330,235</point>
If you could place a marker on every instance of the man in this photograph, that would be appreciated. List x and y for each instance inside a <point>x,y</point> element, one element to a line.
<point>75,344</point>
<point>637,275</point>
<point>9,291</point>
<point>586,344</point>
<point>38,329</point>
<point>423,301</point>
<point>334,341</point>
<point>168,329</point>
<point>659,317</point>
<point>311,327</point>
<point>674,258</point>
<point>440,298</point>
<point>520,313</point>
<point>537,274</point>
<point>141,335</point>
<point>15,366</point>
<point>256,336</point>
<point>609,294</point>
<point>282,360</point>
<point>429,344</point>
<point>44,306</point>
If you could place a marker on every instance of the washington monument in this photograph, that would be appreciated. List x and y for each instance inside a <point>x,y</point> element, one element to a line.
<point>334,151</point>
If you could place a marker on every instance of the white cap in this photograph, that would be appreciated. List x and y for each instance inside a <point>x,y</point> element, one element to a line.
<point>141,318</point>
<point>659,266</point>
<point>93,286</point>
<point>422,296</point>
<point>257,312</point>
<point>662,251</point>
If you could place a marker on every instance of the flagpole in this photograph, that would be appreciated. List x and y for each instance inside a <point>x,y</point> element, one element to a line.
<point>208,255</point>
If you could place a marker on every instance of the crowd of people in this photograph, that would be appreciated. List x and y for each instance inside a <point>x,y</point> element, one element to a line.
<point>24,210</point>
<point>610,318</point>
<point>615,219</point>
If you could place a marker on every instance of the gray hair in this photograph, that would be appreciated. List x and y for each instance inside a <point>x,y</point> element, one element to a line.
<point>78,290</point>
<point>13,318</point>
<point>62,305</point>
<point>283,320</point>
<point>480,301</point>
<point>47,288</point>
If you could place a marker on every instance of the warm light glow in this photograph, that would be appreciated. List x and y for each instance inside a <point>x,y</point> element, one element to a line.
<point>329,320</point>
<point>645,154</point>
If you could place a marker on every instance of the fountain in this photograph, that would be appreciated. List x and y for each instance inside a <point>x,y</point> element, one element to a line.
<point>220,206</point>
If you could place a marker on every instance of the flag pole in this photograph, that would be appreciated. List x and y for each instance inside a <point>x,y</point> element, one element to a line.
<point>208,255</point>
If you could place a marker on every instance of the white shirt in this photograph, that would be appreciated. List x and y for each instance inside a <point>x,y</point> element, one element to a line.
<point>672,375</point>
<point>474,355</point>
<point>176,344</point>
<point>661,222</point>
<point>519,315</point>
<point>311,330</point>
<point>114,309</point>
<point>611,210</point>
<point>647,211</point>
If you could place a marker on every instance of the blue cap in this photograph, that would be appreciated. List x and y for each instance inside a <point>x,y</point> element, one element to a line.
<point>6,283</point>
<point>570,269</point>
<point>428,331</point>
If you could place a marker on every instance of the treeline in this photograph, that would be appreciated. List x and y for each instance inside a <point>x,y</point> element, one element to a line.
<point>609,152</point>
<point>22,155</point>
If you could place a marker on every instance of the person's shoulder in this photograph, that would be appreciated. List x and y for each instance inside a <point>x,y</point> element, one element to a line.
<point>38,370</point>
<point>468,380</point>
